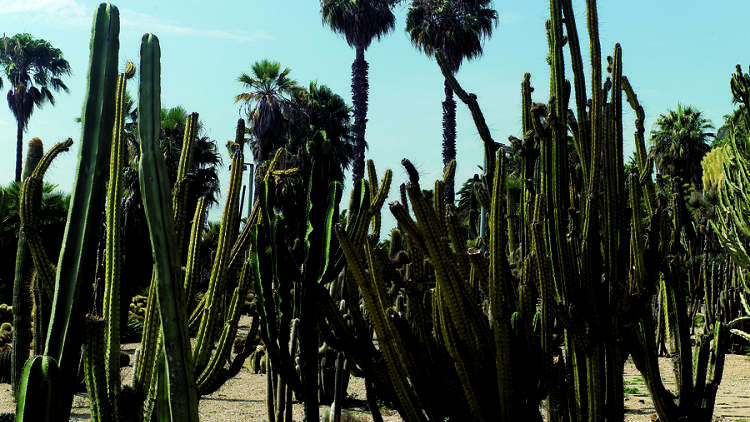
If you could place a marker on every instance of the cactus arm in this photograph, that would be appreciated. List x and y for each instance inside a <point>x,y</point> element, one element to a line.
<point>579,81</point>
<point>220,270</point>
<point>476,113</point>
<point>182,184</point>
<point>21,342</point>
<point>157,202</point>
<point>111,307</point>
<point>29,203</point>
<point>645,166</point>
<point>209,377</point>
<point>192,267</point>
<point>94,371</point>
<point>501,301</point>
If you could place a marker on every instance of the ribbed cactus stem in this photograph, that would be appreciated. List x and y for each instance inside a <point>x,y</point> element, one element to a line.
<point>194,249</point>
<point>220,270</point>
<point>29,208</point>
<point>182,184</point>
<point>183,400</point>
<point>94,352</point>
<point>111,306</point>
<point>21,305</point>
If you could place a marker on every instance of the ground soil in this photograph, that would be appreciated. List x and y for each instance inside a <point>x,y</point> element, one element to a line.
<point>243,397</point>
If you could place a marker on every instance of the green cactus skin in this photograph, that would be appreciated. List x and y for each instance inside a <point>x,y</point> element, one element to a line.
<point>76,265</point>
<point>41,380</point>
<point>29,203</point>
<point>111,306</point>
<point>194,250</point>
<point>183,399</point>
<point>96,370</point>
<point>220,271</point>
<point>22,314</point>
<point>182,185</point>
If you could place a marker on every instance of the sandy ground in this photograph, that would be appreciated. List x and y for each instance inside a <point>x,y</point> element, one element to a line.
<point>242,398</point>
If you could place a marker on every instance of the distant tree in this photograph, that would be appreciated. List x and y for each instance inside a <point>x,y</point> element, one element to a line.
<point>34,69</point>
<point>734,124</point>
<point>456,29</point>
<point>204,176</point>
<point>679,142</point>
<point>319,108</point>
<point>269,97</point>
<point>315,109</point>
<point>359,21</point>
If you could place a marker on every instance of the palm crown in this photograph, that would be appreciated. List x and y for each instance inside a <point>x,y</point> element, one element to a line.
<point>34,69</point>
<point>270,92</point>
<point>454,28</point>
<point>359,21</point>
<point>679,143</point>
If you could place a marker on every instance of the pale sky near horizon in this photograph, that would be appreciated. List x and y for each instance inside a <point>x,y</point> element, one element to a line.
<point>673,52</point>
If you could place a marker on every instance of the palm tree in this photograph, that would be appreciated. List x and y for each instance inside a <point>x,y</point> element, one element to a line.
<point>34,69</point>
<point>455,29</point>
<point>679,142</point>
<point>360,21</point>
<point>734,124</point>
<point>319,108</point>
<point>269,97</point>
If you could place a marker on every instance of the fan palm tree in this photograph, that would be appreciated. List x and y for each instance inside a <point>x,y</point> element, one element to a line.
<point>679,142</point>
<point>359,21</point>
<point>319,108</point>
<point>456,29</point>
<point>269,97</point>
<point>34,69</point>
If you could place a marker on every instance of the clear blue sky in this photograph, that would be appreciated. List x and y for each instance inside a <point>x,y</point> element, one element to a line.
<point>673,51</point>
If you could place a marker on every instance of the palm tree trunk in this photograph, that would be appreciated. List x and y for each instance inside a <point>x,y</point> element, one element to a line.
<point>360,87</point>
<point>19,151</point>
<point>449,137</point>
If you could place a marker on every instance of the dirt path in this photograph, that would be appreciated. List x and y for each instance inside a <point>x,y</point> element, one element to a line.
<point>242,398</point>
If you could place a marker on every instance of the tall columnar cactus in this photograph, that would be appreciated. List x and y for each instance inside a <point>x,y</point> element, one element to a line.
<point>157,199</point>
<point>76,266</point>
<point>21,303</point>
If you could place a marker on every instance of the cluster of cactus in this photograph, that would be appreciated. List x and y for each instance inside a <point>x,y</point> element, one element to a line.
<point>137,309</point>
<point>170,375</point>
<point>289,293</point>
<point>732,222</point>
<point>580,245</point>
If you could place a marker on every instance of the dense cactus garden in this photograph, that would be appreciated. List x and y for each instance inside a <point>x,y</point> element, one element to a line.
<point>518,298</point>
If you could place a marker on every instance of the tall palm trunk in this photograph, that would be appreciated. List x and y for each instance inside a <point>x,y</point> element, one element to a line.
<point>19,150</point>
<point>360,87</point>
<point>449,137</point>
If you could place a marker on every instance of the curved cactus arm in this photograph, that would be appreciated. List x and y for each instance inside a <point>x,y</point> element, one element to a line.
<point>29,202</point>
<point>156,192</point>
<point>21,305</point>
